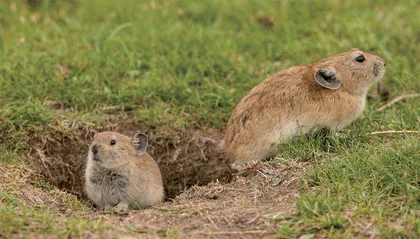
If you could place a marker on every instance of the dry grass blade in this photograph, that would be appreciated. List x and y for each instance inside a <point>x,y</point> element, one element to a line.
<point>236,232</point>
<point>397,99</point>
<point>395,132</point>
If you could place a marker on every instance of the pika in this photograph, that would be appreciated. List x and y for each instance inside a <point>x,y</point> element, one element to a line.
<point>330,93</point>
<point>120,174</point>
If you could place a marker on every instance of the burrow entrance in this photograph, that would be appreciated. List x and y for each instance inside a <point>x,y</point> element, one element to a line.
<point>190,158</point>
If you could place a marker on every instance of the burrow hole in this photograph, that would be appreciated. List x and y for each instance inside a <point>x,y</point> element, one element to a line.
<point>191,158</point>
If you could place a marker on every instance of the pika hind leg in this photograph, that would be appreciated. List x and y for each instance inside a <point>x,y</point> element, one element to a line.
<point>254,152</point>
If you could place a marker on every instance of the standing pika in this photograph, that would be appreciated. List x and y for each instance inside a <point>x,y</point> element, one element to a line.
<point>330,94</point>
<point>121,174</point>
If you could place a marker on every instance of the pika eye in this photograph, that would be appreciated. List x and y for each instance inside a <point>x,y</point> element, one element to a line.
<point>113,142</point>
<point>360,58</point>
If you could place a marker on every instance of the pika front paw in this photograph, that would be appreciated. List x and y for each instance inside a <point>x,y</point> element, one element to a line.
<point>107,207</point>
<point>239,166</point>
<point>121,207</point>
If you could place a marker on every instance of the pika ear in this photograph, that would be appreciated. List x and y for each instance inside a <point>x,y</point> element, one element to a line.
<point>140,142</point>
<point>328,79</point>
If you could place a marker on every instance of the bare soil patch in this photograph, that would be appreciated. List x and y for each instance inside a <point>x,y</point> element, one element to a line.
<point>243,208</point>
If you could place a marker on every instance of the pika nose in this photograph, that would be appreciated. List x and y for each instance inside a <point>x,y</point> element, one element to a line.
<point>95,149</point>
<point>384,63</point>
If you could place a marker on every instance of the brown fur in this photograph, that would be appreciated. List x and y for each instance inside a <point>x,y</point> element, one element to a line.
<point>121,177</point>
<point>291,103</point>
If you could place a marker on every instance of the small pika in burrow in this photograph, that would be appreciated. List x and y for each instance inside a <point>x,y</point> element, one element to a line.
<point>120,174</point>
<point>327,94</point>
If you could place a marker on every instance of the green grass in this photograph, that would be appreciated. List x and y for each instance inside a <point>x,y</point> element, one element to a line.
<point>22,220</point>
<point>37,209</point>
<point>184,64</point>
<point>363,180</point>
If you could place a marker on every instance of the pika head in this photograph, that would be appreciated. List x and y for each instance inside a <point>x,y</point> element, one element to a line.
<point>354,71</point>
<point>110,149</point>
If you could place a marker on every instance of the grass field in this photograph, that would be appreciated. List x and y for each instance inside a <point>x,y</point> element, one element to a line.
<point>179,65</point>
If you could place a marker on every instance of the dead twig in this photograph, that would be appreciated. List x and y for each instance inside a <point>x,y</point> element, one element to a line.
<point>254,219</point>
<point>395,132</point>
<point>208,218</point>
<point>397,99</point>
<point>235,232</point>
<point>176,154</point>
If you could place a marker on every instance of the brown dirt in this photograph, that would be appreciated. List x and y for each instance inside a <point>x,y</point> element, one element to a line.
<point>243,208</point>
<point>60,158</point>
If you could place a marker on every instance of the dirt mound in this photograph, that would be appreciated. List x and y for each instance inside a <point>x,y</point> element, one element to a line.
<point>190,158</point>
<point>245,208</point>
